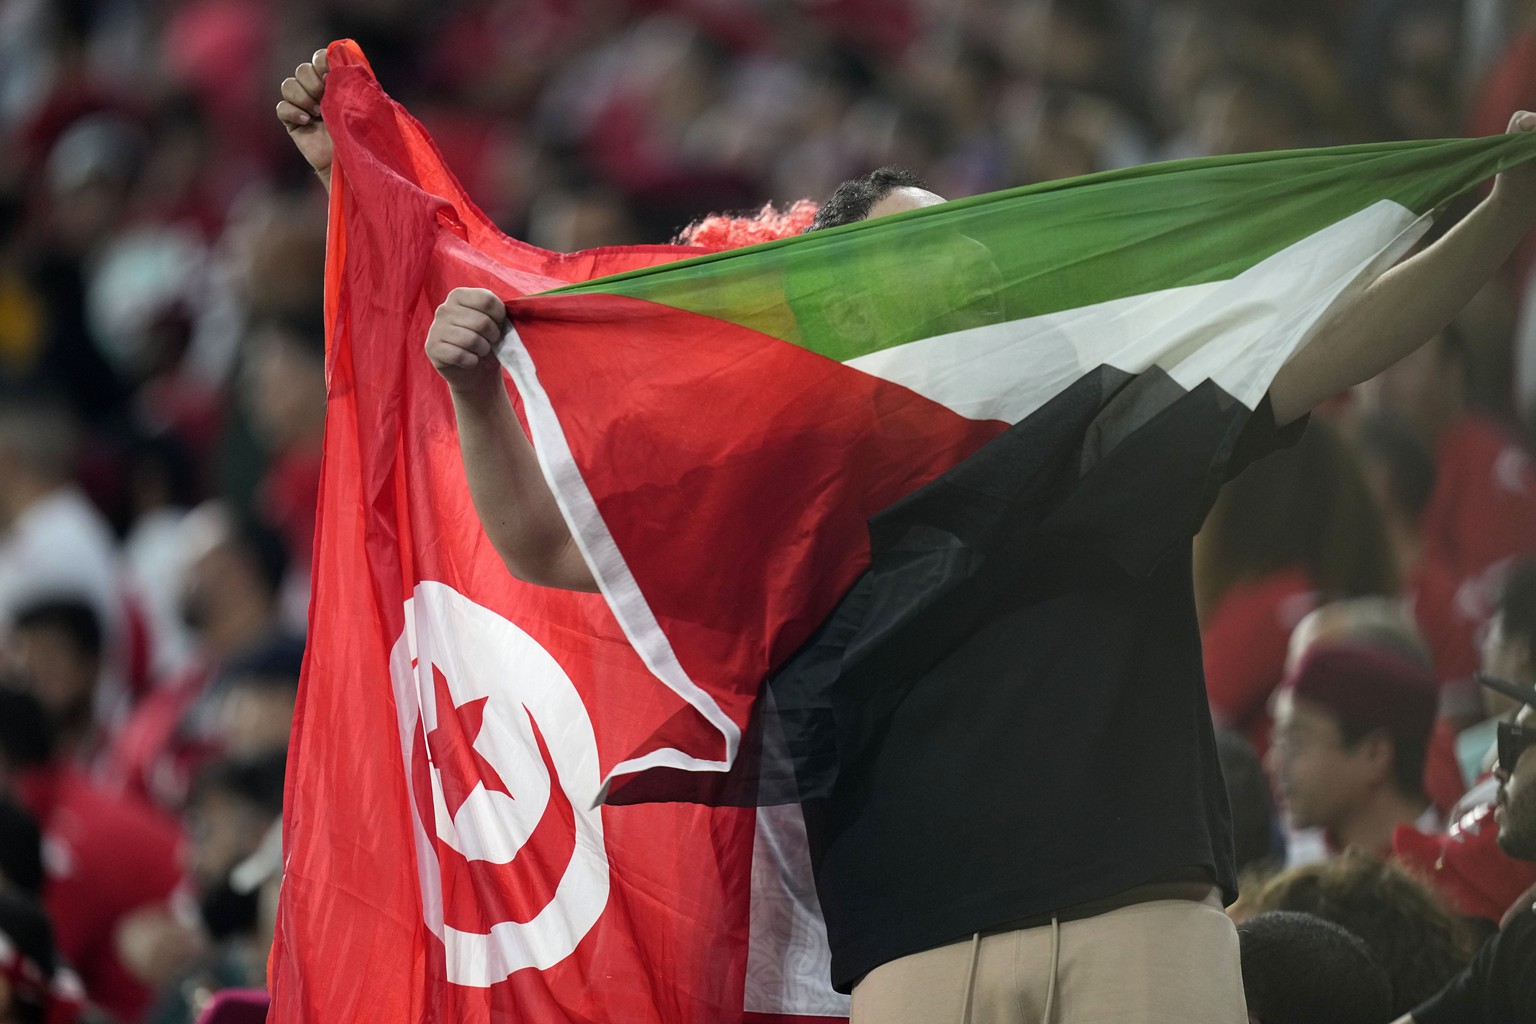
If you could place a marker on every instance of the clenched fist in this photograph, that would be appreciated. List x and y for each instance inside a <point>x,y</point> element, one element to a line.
<point>462,340</point>
<point>299,111</point>
<point>1517,186</point>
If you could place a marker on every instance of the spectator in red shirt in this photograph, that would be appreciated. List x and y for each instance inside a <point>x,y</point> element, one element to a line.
<point>105,856</point>
<point>1352,729</point>
<point>56,644</point>
<point>1482,510</point>
<point>1382,623</point>
<point>231,601</point>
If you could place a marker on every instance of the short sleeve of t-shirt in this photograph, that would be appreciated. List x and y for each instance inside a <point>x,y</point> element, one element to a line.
<point>1497,987</point>
<point>1261,436</point>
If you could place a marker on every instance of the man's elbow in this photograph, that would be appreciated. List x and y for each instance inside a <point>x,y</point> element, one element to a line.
<point>560,568</point>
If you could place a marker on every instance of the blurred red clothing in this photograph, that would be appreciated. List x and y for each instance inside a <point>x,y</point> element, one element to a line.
<point>151,756</point>
<point>1465,865</point>
<point>1245,642</point>
<point>1443,781</point>
<point>1483,508</point>
<point>105,856</point>
<point>288,495</point>
<point>1451,635</point>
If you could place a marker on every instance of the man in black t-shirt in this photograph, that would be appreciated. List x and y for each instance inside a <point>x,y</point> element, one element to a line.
<point>1500,984</point>
<point>1092,883</point>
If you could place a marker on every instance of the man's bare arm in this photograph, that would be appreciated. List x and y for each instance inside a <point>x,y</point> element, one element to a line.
<point>1413,301</point>
<point>515,505</point>
<point>514,502</point>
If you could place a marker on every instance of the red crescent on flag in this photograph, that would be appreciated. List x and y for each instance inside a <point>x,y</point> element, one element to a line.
<point>479,894</point>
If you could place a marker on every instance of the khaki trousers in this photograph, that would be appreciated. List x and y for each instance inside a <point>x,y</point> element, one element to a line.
<point>1160,962</point>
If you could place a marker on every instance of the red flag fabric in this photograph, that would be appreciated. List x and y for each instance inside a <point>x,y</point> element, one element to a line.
<point>445,857</point>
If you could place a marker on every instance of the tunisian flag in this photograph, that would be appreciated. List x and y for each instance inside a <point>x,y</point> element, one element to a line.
<point>446,857</point>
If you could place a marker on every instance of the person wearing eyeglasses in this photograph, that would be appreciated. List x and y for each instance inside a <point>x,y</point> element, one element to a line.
<point>1500,983</point>
<point>1352,728</point>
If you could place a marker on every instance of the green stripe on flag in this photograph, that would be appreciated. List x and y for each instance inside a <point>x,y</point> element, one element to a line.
<point>1060,245</point>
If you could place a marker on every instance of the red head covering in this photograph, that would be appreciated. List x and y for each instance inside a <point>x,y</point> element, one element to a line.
<point>733,231</point>
<point>1368,688</point>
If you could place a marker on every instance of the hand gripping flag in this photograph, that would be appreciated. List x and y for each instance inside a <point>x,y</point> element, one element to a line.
<point>445,859</point>
<point>794,470</point>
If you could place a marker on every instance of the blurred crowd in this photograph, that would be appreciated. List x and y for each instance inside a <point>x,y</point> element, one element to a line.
<point>162,402</point>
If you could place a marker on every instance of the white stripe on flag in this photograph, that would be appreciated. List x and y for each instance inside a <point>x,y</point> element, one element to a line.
<point>1237,333</point>
<point>611,572</point>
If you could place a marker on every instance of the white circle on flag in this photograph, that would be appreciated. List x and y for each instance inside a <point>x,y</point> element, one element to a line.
<point>481,654</point>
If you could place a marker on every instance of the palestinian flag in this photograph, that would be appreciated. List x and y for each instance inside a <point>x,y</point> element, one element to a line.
<point>803,462</point>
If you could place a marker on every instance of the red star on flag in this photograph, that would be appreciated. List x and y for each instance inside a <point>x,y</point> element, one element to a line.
<point>459,765</point>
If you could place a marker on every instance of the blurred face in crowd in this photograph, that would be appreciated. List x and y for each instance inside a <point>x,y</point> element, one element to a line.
<point>224,830</point>
<point>1319,778</point>
<point>201,586</point>
<point>256,715</point>
<point>222,597</point>
<point>1516,808</point>
<point>60,675</point>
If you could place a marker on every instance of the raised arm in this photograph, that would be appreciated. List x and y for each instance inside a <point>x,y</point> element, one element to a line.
<point>1413,301</point>
<point>514,502</point>
<point>299,111</point>
<point>515,505</point>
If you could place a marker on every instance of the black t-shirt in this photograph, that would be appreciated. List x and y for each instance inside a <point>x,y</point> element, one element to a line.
<point>1060,753</point>
<point>1498,987</point>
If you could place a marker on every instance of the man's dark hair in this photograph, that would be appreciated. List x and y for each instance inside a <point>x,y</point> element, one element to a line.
<point>75,619</point>
<point>852,200</point>
<point>1517,606</point>
<point>1417,941</point>
<point>1409,753</point>
<point>1300,969</point>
